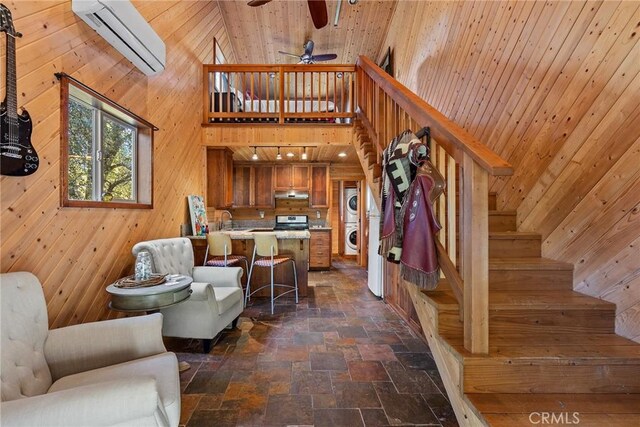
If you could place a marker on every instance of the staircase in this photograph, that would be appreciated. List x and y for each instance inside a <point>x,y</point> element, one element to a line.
<point>552,357</point>
<point>553,352</point>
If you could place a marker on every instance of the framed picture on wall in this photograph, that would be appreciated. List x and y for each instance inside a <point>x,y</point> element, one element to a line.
<point>387,62</point>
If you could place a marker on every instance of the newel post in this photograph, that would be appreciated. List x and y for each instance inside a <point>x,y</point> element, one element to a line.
<point>475,263</point>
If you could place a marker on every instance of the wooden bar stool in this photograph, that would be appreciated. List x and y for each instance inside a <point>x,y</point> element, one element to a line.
<point>266,248</point>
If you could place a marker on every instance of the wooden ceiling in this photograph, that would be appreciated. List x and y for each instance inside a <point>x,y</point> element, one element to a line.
<point>258,33</point>
<point>324,153</point>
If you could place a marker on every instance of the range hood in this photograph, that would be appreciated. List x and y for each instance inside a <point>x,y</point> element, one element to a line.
<point>292,194</point>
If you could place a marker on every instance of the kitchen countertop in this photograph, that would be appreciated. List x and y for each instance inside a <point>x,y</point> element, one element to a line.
<point>323,228</point>
<point>248,234</point>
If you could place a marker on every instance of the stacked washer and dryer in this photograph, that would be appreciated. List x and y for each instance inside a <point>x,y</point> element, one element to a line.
<point>351,221</point>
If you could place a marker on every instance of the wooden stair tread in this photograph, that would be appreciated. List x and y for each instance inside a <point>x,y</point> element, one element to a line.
<point>586,420</point>
<point>528,264</point>
<point>524,403</point>
<point>524,300</point>
<point>513,235</point>
<point>521,351</point>
<point>501,213</point>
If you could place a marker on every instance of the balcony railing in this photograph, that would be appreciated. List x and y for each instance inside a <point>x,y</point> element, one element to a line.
<point>246,93</point>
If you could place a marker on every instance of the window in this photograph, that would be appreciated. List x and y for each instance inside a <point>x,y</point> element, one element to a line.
<point>106,152</point>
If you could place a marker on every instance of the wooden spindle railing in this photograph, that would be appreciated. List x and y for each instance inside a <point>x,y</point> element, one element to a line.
<point>278,93</point>
<point>386,108</point>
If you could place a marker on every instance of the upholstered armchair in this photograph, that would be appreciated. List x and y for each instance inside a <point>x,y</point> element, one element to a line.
<point>216,300</point>
<point>115,372</point>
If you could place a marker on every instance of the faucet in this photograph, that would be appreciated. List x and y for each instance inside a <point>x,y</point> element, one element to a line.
<point>221,227</point>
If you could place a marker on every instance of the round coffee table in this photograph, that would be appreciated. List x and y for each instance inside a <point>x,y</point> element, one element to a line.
<point>175,290</point>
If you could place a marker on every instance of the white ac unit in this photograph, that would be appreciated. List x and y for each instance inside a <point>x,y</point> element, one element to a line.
<point>120,23</point>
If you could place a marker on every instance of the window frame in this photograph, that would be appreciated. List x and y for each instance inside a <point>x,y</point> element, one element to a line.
<point>142,173</point>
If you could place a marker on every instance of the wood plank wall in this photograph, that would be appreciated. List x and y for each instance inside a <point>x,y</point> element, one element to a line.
<point>76,252</point>
<point>553,88</point>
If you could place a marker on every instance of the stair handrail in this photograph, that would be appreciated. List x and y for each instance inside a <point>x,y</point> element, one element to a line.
<point>442,129</point>
<point>476,162</point>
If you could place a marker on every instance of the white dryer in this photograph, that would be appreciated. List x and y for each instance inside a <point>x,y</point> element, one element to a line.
<point>351,239</point>
<point>350,205</point>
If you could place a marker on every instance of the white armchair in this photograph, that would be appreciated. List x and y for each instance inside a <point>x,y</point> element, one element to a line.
<point>216,300</point>
<point>115,372</point>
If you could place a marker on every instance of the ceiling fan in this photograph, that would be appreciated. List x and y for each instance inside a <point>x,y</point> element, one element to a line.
<point>308,57</point>
<point>317,8</point>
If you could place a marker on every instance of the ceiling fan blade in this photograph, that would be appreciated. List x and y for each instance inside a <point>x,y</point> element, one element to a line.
<point>308,48</point>
<point>324,57</point>
<point>256,3</point>
<point>318,10</point>
<point>289,54</point>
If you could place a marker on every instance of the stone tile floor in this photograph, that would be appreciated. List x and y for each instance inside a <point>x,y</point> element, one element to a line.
<point>341,357</point>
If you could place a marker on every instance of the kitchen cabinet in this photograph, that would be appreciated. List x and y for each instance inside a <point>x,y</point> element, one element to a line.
<point>242,182</point>
<point>253,186</point>
<point>263,186</point>
<point>319,193</point>
<point>320,249</point>
<point>219,178</point>
<point>291,177</point>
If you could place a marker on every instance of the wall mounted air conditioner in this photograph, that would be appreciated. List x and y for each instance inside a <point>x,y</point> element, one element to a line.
<point>120,23</point>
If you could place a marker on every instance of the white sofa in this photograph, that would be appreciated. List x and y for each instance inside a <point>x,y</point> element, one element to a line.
<point>217,298</point>
<point>111,373</point>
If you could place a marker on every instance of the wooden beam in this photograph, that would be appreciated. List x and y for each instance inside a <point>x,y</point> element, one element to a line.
<point>260,135</point>
<point>475,228</point>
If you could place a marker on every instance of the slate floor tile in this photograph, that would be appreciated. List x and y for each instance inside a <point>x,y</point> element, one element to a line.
<point>380,352</point>
<point>219,418</point>
<point>328,361</point>
<point>289,410</point>
<point>407,408</point>
<point>352,332</point>
<point>422,361</point>
<point>367,370</point>
<point>355,395</point>
<point>374,417</point>
<point>311,382</point>
<point>337,418</point>
<point>206,383</point>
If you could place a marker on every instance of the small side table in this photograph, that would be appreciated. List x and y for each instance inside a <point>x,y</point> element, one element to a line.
<point>152,298</point>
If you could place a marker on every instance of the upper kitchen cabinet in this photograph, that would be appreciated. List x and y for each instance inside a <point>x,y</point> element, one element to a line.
<point>253,186</point>
<point>242,182</point>
<point>319,194</point>
<point>219,177</point>
<point>291,177</point>
<point>263,186</point>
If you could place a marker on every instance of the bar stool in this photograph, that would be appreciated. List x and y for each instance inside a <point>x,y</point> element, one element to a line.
<point>266,248</point>
<point>219,246</point>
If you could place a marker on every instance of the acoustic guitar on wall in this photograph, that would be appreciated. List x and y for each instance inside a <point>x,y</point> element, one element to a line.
<point>17,155</point>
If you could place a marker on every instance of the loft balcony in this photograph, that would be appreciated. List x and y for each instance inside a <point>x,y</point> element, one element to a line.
<point>277,93</point>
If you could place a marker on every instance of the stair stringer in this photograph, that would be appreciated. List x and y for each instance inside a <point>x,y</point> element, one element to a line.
<point>449,366</point>
<point>359,135</point>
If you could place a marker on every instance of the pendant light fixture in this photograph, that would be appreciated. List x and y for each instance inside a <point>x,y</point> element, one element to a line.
<point>255,153</point>
<point>304,153</point>
<point>279,156</point>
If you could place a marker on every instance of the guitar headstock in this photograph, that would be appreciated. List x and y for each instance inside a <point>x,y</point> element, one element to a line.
<point>6,22</point>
